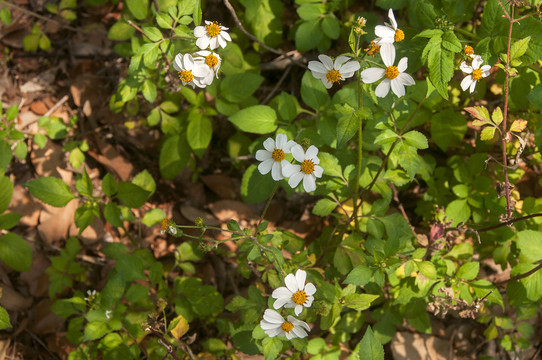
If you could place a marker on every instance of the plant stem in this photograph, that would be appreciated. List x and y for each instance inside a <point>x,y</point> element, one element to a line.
<point>266,207</point>
<point>360,152</point>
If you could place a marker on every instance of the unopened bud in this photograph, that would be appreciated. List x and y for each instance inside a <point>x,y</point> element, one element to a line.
<point>361,21</point>
<point>199,222</point>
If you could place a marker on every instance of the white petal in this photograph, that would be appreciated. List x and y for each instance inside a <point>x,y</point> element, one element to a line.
<point>385,33</point>
<point>310,289</point>
<point>274,332</point>
<point>272,317</point>
<point>346,75</point>
<point>477,61</point>
<point>350,66</point>
<point>318,171</point>
<point>224,34</point>
<point>328,84</point>
<point>339,61</point>
<point>280,141</point>
<point>387,51</point>
<point>221,41</point>
<point>276,171</point>
<point>199,31</point>
<point>403,64</point>
<point>299,323</point>
<point>309,301</point>
<point>269,144</point>
<point>405,79</point>
<point>299,332</point>
<point>291,283</point>
<point>178,62</point>
<point>280,302</point>
<point>265,166</point>
<point>326,61</point>
<point>298,309</point>
<point>262,155</point>
<point>203,42</point>
<point>301,276</point>
<point>268,326</point>
<point>397,88</point>
<point>281,292</point>
<point>383,88</point>
<point>466,82</point>
<point>298,153</point>
<point>465,68</point>
<point>370,75</point>
<point>392,19</point>
<point>295,179</point>
<point>472,86</point>
<point>288,147</point>
<point>317,66</point>
<point>309,183</point>
<point>311,153</point>
<point>288,170</point>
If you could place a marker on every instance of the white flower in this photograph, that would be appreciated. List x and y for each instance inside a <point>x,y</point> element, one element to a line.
<point>272,158</point>
<point>330,72</point>
<point>394,75</point>
<point>388,33</point>
<point>274,324</point>
<point>91,295</point>
<point>192,72</point>
<point>108,314</point>
<point>475,72</point>
<point>295,294</point>
<point>308,171</point>
<point>211,35</point>
<point>211,59</point>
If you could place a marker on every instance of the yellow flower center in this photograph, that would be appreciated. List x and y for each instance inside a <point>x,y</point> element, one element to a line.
<point>278,155</point>
<point>307,166</point>
<point>287,326</point>
<point>373,49</point>
<point>211,60</point>
<point>164,224</point>
<point>299,297</point>
<point>477,74</point>
<point>213,29</point>
<point>186,76</point>
<point>399,35</point>
<point>468,50</point>
<point>392,72</point>
<point>333,76</point>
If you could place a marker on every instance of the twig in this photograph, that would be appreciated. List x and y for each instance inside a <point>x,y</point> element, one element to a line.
<point>41,17</point>
<point>277,85</point>
<point>57,105</point>
<point>519,276</point>
<point>400,206</point>
<point>166,344</point>
<point>255,39</point>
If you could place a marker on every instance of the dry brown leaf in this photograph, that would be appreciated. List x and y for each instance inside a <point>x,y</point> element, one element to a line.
<point>47,160</point>
<point>92,234</point>
<point>226,210</point>
<point>55,222</point>
<point>220,184</point>
<point>36,279</point>
<point>44,320</point>
<point>191,213</point>
<point>113,161</point>
<point>409,346</point>
<point>12,300</point>
<point>24,204</point>
<point>39,107</point>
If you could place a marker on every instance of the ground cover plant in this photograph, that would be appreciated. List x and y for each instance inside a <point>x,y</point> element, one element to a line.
<point>184,179</point>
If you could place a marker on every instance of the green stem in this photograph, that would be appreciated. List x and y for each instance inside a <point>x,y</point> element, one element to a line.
<point>266,207</point>
<point>467,33</point>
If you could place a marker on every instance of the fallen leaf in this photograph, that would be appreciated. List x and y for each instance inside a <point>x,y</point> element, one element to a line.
<point>221,185</point>
<point>191,213</point>
<point>55,222</point>
<point>226,210</point>
<point>23,203</point>
<point>412,346</point>
<point>44,320</point>
<point>13,300</point>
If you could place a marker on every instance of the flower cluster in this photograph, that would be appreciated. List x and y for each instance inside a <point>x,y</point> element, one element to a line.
<point>473,67</point>
<point>273,159</point>
<point>296,294</point>
<point>200,68</point>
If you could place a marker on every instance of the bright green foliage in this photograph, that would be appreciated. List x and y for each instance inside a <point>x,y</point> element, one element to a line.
<point>50,190</point>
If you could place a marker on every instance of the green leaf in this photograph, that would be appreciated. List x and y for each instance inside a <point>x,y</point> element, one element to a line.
<point>84,217</point>
<point>313,91</point>
<point>9,220</point>
<point>164,21</point>
<point>488,133</point>
<point>370,347</point>
<point>529,243</point>
<point>347,127</point>
<point>331,27</point>
<point>4,316</point>
<point>535,98</point>
<point>480,113</point>
<point>416,139</point>
<point>153,217</point>
<point>359,302</point>
<point>448,128</point>
<point>308,35</point>
<point>21,149</point>
<point>153,33</point>
<point>145,181</point>
<point>132,195</point>
<point>458,211</point>
<point>238,87</point>
<point>83,184</point>
<point>441,64</point>
<point>272,346</point>
<point>324,207</point>
<point>360,275</point>
<point>330,164</point>
<point>199,133</point>
<point>6,192</point>
<point>264,16</point>
<point>149,90</point>
<point>15,252</point>
<point>309,12</point>
<point>287,106</point>
<point>197,13</point>
<point>429,33</point>
<point>451,42</point>
<point>109,185</point>
<point>497,116</point>
<point>256,187</point>
<point>138,8</point>
<point>174,156</point>
<point>12,112</point>
<point>468,271</point>
<point>427,269</point>
<point>257,119</point>
<point>5,155</point>
<point>519,48</point>
<point>96,329</point>
<point>51,190</point>
<point>113,214</point>
<point>76,158</point>
<point>121,31</point>
<point>5,17</point>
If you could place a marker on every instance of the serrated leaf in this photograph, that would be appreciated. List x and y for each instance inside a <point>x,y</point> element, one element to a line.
<point>497,116</point>
<point>132,195</point>
<point>519,48</point>
<point>347,127</point>
<point>324,207</point>
<point>480,113</point>
<point>50,190</point>
<point>385,137</point>
<point>468,271</point>
<point>451,42</point>
<point>416,139</point>
<point>178,327</point>
<point>488,133</point>
<point>6,192</point>
<point>138,8</point>
<point>330,164</point>
<point>257,119</point>
<point>153,33</point>
<point>153,217</point>
<point>428,33</point>
<point>370,348</point>
<point>441,63</point>
<point>15,252</point>
<point>518,125</point>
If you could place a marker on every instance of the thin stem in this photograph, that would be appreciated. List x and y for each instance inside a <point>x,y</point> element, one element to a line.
<point>266,207</point>
<point>360,152</point>
<point>41,17</point>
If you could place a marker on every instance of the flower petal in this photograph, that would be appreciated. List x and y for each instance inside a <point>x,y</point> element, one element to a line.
<point>317,66</point>
<point>269,144</point>
<point>224,34</point>
<point>311,153</point>
<point>339,61</point>
<point>288,147</point>
<point>272,317</point>
<point>406,79</point>
<point>392,19</point>
<point>298,153</point>
<point>178,62</point>
<point>402,65</point>
<point>385,33</point>
<point>387,51</point>
<point>472,86</point>
<point>291,283</point>
<point>199,31</point>
<point>310,289</point>
<point>318,171</point>
<point>280,141</point>
<point>295,179</point>
<point>262,155</point>
<point>466,82</point>
<point>466,68</point>
<point>477,62</point>
<point>289,170</point>
<point>397,88</point>
<point>265,166</point>
<point>326,61</point>
<point>203,42</point>
<point>267,325</point>
<point>298,309</point>
<point>274,332</point>
<point>281,301</point>
<point>370,75</point>
<point>281,292</point>
<point>349,67</point>
<point>301,276</point>
<point>383,88</point>
<point>276,171</point>
<point>309,183</point>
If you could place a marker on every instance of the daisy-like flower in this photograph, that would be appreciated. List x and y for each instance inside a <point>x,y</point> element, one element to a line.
<point>211,59</point>
<point>475,73</point>
<point>168,226</point>
<point>272,158</point>
<point>212,35</point>
<point>468,50</point>
<point>191,72</point>
<point>273,324</point>
<point>388,33</point>
<point>332,72</point>
<point>308,171</point>
<point>91,295</point>
<point>394,76</point>
<point>296,294</point>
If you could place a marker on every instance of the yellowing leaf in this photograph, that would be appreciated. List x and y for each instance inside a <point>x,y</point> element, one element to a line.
<point>497,115</point>
<point>518,125</point>
<point>480,113</point>
<point>488,133</point>
<point>178,327</point>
